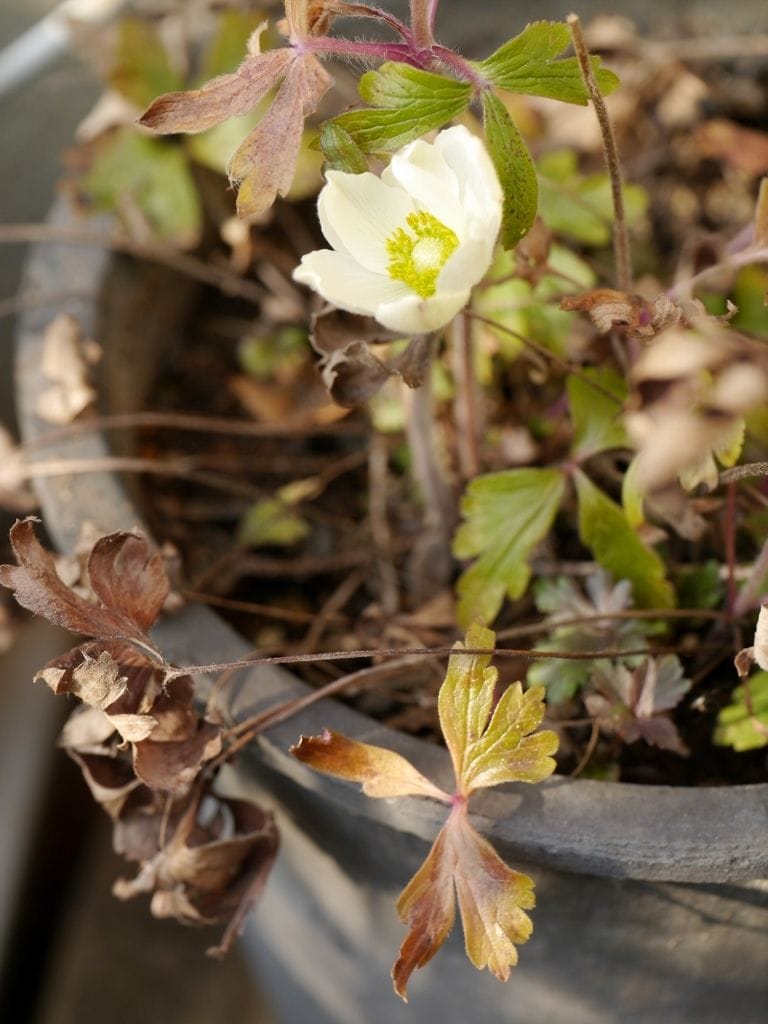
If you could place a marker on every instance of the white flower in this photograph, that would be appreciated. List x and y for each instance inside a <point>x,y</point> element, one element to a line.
<point>409,246</point>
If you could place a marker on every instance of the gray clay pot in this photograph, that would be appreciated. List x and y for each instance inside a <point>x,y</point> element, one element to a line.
<point>650,909</point>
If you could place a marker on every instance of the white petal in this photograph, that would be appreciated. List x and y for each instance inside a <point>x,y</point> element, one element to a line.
<point>479,190</point>
<point>421,169</point>
<point>358,212</point>
<point>414,315</point>
<point>344,283</point>
<point>468,264</point>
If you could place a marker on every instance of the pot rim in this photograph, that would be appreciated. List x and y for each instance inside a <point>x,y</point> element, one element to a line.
<point>620,830</point>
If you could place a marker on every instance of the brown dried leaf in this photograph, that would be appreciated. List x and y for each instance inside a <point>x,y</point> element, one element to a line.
<point>225,96</point>
<point>214,866</point>
<point>129,577</point>
<point>110,779</point>
<point>353,375</point>
<point>86,730</point>
<point>95,681</point>
<point>129,581</point>
<point>65,362</point>
<point>382,773</point>
<point>173,765</point>
<point>333,330</point>
<point>264,164</point>
<point>492,901</point>
<point>609,309</point>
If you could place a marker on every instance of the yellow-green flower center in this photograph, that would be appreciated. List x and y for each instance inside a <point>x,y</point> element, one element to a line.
<point>417,257</point>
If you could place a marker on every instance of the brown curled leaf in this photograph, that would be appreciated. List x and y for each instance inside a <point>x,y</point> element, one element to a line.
<point>171,766</point>
<point>127,577</point>
<point>381,772</point>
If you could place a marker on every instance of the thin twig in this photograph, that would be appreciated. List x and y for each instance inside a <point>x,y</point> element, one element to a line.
<point>268,611</point>
<point>378,474</point>
<point>16,304</point>
<point>427,652</point>
<point>466,403</point>
<point>749,469</point>
<point>546,626</point>
<point>207,273</point>
<point>734,261</point>
<point>334,603</point>
<point>552,357</point>
<point>587,756</point>
<point>620,233</point>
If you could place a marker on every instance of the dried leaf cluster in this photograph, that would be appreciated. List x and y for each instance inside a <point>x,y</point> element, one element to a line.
<point>146,752</point>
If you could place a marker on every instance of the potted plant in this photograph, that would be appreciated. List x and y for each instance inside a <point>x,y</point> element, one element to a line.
<point>646,907</point>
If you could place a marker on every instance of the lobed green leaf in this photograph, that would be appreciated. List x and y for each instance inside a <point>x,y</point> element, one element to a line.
<point>528,64</point>
<point>340,150</point>
<point>507,514</point>
<point>743,724</point>
<point>406,104</point>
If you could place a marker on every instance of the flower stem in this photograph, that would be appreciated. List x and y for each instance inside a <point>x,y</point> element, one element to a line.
<point>422,18</point>
<point>403,52</point>
<point>466,411</point>
<point>620,234</point>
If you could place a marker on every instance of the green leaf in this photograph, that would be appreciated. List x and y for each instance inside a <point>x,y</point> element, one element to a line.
<point>340,150</point>
<point>153,176</point>
<point>410,103</point>
<point>215,147</point>
<point>271,522</point>
<point>515,169</point>
<point>528,64</point>
<point>739,724</point>
<point>597,425</point>
<point>507,515</point>
<point>604,528</point>
<point>581,207</point>
<point>142,70</point>
<point>632,496</point>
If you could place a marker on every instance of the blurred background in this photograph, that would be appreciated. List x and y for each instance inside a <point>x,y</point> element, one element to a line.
<point>68,951</point>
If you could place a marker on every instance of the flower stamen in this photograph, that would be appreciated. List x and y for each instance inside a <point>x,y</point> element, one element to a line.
<point>416,258</point>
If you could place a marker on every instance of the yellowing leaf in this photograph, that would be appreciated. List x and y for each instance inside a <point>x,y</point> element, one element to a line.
<point>428,907</point>
<point>595,412</point>
<point>492,901</point>
<point>382,773</point>
<point>490,748</point>
<point>507,514</point>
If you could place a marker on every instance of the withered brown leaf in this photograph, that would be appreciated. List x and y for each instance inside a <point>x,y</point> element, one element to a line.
<point>126,575</point>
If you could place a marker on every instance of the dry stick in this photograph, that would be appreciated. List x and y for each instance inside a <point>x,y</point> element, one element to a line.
<point>749,469</point>
<point>620,234</point>
<point>428,652</point>
<point>253,608</point>
<point>218,277</point>
<point>593,736</point>
<point>130,464</point>
<point>439,505</point>
<point>335,603</point>
<point>191,422</point>
<point>15,304</point>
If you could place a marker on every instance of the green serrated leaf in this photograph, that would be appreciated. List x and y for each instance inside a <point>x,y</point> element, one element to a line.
<point>410,103</point>
<point>340,150</point>
<point>604,528</point>
<point>743,724</point>
<point>596,415</point>
<point>515,169</point>
<point>528,64</point>
<point>507,515</point>
<point>141,69</point>
<point>153,176</point>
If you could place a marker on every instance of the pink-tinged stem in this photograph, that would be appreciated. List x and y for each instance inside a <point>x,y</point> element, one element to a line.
<point>364,48</point>
<point>730,543</point>
<point>463,68</point>
<point>379,14</point>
